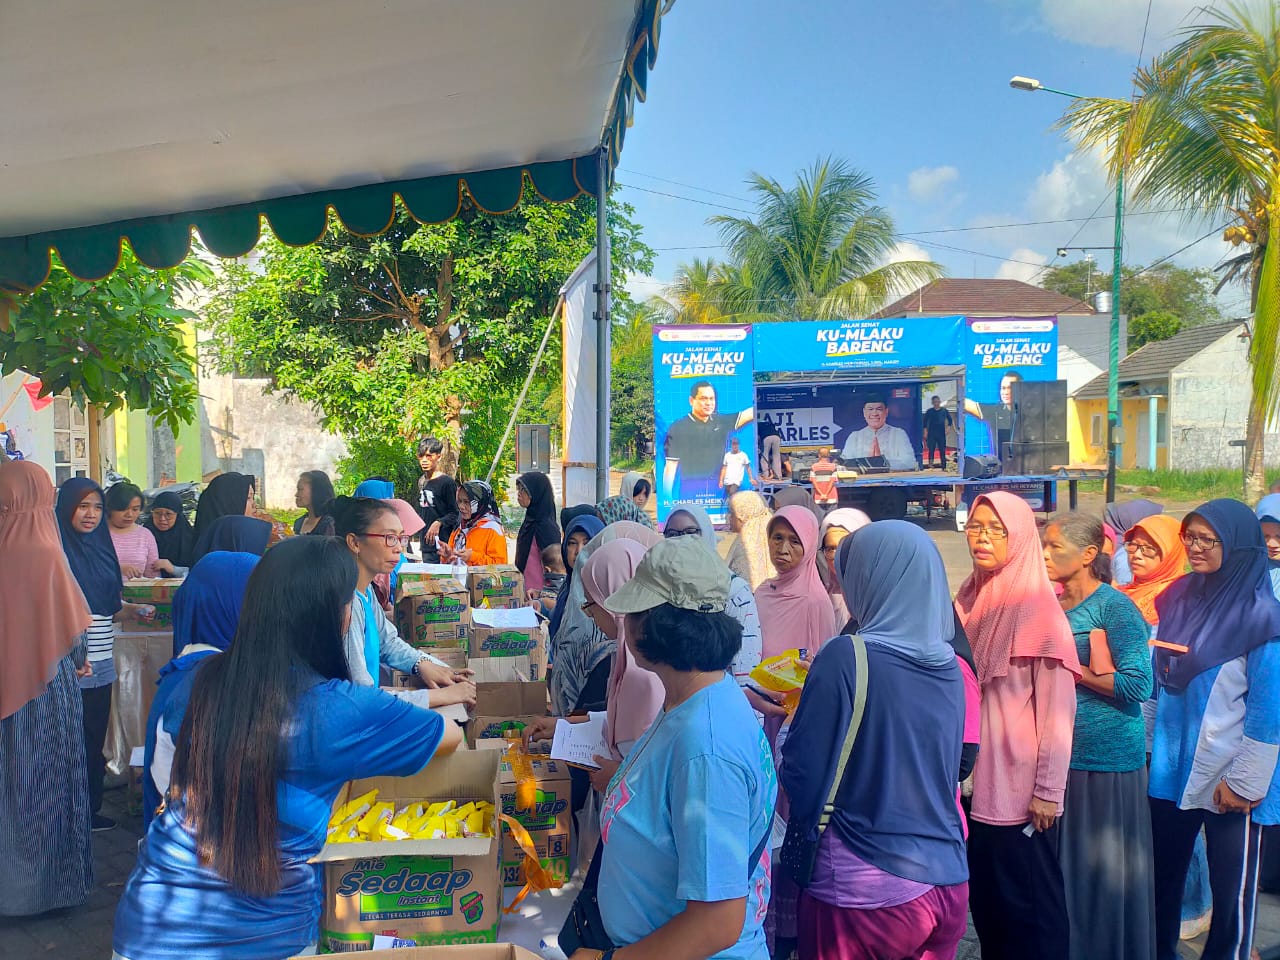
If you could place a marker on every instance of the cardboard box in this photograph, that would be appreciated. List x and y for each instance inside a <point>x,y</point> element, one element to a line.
<point>414,579</point>
<point>439,616</point>
<point>510,633</point>
<point>548,822</point>
<point>496,728</point>
<point>497,587</point>
<point>454,657</point>
<point>429,891</point>
<point>504,690</point>
<point>157,592</point>
<point>485,951</point>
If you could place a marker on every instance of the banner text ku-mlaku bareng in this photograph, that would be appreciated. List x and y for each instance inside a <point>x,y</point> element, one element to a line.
<point>707,401</point>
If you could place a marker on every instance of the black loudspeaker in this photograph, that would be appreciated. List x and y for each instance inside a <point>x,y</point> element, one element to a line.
<point>1028,411</point>
<point>1023,459</point>
<point>533,448</point>
<point>1040,411</point>
<point>1055,413</point>
<point>981,467</point>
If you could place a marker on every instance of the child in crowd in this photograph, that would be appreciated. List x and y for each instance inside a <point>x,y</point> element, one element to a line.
<point>553,570</point>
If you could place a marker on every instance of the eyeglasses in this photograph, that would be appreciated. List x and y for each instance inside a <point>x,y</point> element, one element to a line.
<point>976,531</point>
<point>1143,550</point>
<point>670,533</point>
<point>830,551</point>
<point>1200,543</point>
<point>391,539</point>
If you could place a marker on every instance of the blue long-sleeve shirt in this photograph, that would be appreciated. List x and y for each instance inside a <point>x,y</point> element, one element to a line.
<point>1109,731</point>
<point>1224,726</point>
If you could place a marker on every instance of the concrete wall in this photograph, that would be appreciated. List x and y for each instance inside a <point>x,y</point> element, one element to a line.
<point>1209,407</point>
<point>1084,343</point>
<point>267,435</point>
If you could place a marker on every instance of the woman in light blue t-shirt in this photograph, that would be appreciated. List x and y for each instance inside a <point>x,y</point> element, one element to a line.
<point>687,816</point>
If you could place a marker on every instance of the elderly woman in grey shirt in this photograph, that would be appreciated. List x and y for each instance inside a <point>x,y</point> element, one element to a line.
<point>375,536</point>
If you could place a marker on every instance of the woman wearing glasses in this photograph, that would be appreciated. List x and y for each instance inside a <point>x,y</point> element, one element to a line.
<point>375,536</point>
<point>1028,669</point>
<point>1217,724</point>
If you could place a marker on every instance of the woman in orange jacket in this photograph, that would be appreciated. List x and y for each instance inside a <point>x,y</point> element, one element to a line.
<point>480,539</point>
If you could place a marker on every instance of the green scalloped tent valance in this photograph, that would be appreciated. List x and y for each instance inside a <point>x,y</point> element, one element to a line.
<point>93,252</point>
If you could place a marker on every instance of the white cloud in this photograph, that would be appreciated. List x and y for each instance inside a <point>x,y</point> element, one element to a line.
<point>1117,24</point>
<point>641,287</point>
<point>926,183</point>
<point>903,252</point>
<point>1023,264</point>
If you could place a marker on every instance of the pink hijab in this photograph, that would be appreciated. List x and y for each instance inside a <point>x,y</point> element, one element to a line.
<point>635,694</point>
<point>795,608</point>
<point>42,610</point>
<point>1012,612</point>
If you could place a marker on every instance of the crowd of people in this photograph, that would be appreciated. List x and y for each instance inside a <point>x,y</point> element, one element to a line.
<point>1051,751</point>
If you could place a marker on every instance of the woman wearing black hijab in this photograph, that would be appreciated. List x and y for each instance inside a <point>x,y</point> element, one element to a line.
<point>227,495</point>
<point>174,535</point>
<point>538,530</point>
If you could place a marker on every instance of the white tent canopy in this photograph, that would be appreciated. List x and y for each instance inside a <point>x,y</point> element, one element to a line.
<point>201,114</point>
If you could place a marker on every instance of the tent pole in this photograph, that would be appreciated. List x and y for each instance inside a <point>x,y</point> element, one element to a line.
<point>603,340</point>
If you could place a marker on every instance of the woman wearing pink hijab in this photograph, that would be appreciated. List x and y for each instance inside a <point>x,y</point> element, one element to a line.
<point>1027,668</point>
<point>795,612</point>
<point>635,695</point>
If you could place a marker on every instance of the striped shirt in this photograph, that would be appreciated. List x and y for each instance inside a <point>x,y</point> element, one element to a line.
<point>101,639</point>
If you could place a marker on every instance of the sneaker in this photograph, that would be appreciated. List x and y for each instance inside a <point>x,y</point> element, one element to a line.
<point>1195,926</point>
<point>101,823</point>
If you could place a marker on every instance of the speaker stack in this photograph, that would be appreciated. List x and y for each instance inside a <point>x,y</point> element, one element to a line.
<point>1039,428</point>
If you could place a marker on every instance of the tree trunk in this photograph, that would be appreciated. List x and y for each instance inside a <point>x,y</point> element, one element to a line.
<point>1255,475</point>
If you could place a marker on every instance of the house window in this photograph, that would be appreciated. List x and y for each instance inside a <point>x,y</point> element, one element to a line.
<point>70,440</point>
<point>1162,429</point>
<point>1096,431</point>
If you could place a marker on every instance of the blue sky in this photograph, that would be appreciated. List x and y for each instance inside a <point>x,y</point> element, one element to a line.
<point>917,95</point>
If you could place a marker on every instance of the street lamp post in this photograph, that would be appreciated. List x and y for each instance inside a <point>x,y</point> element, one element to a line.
<point>1113,362</point>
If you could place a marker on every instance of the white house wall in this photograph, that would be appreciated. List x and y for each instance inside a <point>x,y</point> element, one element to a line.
<point>1209,406</point>
<point>32,428</point>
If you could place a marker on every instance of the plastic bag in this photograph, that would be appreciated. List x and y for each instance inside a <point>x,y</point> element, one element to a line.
<point>783,674</point>
<point>588,832</point>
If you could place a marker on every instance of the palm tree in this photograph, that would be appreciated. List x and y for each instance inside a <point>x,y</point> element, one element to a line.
<point>817,250</point>
<point>1202,134</point>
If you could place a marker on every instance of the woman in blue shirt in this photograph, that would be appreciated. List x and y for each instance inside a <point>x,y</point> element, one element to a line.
<point>375,536</point>
<point>273,729</point>
<point>686,818</point>
<point>1110,898</point>
<point>1217,724</point>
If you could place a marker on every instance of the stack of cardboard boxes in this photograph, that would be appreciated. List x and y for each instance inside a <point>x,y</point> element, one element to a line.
<point>450,891</point>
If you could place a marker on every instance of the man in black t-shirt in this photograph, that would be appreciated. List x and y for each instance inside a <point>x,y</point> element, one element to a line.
<point>695,446</point>
<point>937,420</point>
<point>437,498</point>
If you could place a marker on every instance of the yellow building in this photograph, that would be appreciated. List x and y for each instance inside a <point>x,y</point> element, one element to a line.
<point>1182,402</point>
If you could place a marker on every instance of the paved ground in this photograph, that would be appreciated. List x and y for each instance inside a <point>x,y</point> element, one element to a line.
<point>85,933</point>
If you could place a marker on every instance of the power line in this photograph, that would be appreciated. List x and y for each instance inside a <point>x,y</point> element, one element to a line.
<point>676,196</point>
<point>681,183</point>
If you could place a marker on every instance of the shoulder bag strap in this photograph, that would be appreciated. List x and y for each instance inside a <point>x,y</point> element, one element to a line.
<point>859,707</point>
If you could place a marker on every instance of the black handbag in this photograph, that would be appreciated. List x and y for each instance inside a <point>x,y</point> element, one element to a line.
<point>584,928</point>
<point>798,851</point>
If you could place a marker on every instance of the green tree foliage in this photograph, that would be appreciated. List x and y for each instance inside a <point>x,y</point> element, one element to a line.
<point>426,329</point>
<point>110,342</point>
<point>1200,135</point>
<point>1186,293</point>
<point>817,249</point>
<point>1152,326</point>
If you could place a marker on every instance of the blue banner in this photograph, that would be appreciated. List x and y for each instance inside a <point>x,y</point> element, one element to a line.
<point>807,345</point>
<point>999,351</point>
<point>704,401</point>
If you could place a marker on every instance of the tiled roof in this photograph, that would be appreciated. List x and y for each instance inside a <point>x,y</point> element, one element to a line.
<point>1157,360</point>
<point>983,298</point>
